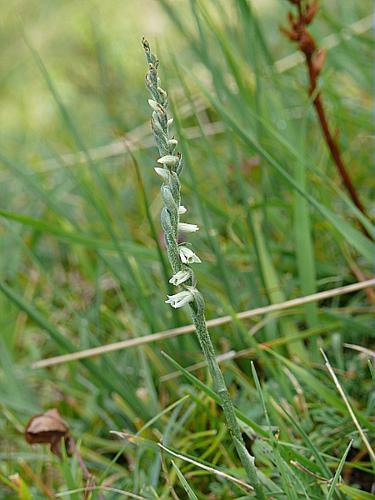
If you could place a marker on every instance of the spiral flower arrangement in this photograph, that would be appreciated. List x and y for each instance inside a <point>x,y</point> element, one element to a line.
<point>181,256</point>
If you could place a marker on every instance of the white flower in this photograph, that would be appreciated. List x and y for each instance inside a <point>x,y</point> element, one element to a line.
<point>182,210</point>
<point>153,104</point>
<point>187,256</point>
<point>187,228</point>
<point>162,172</point>
<point>168,160</point>
<point>181,298</point>
<point>179,277</point>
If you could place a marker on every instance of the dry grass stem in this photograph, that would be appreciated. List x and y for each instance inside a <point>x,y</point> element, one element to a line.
<point>174,332</point>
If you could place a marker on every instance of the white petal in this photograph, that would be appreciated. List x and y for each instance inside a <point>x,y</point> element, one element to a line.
<point>187,256</point>
<point>183,258</point>
<point>187,228</point>
<point>170,121</point>
<point>182,210</point>
<point>162,172</point>
<point>153,104</point>
<point>179,277</point>
<point>195,258</point>
<point>168,160</point>
<point>180,299</point>
<point>177,296</point>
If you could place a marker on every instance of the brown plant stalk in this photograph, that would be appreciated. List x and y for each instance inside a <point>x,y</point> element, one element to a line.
<point>315,57</point>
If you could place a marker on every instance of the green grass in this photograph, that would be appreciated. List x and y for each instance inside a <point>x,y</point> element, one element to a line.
<point>83,263</point>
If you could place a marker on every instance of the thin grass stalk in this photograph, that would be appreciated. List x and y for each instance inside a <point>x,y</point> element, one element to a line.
<point>181,256</point>
<point>183,330</point>
<point>315,58</point>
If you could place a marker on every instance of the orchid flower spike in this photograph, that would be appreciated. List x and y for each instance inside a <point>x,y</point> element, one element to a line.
<point>180,255</point>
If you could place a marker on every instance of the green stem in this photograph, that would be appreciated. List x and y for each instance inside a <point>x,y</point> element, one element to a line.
<point>220,388</point>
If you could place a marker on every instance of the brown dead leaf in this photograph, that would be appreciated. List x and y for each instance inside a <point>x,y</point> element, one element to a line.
<point>48,428</point>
